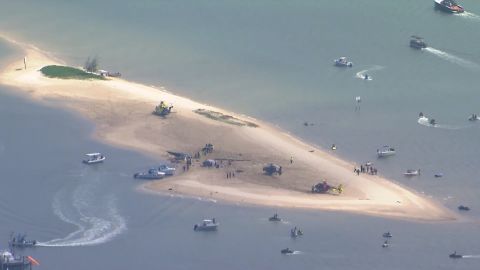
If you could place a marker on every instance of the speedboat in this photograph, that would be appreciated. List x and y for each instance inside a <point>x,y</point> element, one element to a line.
<point>387,235</point>
<point>417,42</point>
<point>287,251</point>
<point>21,241</point>
<point>342,62</point>
<point>275,217</point>
<point>449,6</point>
<point>93,158</point>
<point>166,169</point>
<point>412,172</point>
<point>438,175</point>
<point>206,225</point>
<point>151,174</point>
<point>454,255</point>
<point>386,151</point>
<point>473,117</point>
<point>463,208</point>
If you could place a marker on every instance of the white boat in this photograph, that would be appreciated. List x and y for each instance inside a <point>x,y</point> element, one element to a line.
<point>166,169</point>
<point>151,174</point>
<point>412,172</point>
<point>386,151</point>
<point>343,62</point>
<point>93,158</point>
<point>206,225</point>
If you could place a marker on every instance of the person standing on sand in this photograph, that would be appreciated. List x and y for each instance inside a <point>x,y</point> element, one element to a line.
<point>291,159</point>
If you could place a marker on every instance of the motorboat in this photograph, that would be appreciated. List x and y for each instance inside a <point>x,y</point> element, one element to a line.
<point>166,169</point>
<point>449,6</point>
<point>287,251</point>
<point>8,260</point>
<point>386,151</point>
<point>294,233</point>
<point>385,244</point>
<point>93,158</point>
<point>463,208</point>
<point>334,147</point>
<point>473,117</point>
<point>151,174</point>
<point>206,225</point>
<point>21,241</point>
<point>412,172</point>
<point>275,217</point>
<point>343,62</point>
<point>454,255</point>
<point>417,42</point>
<point>438,175</point>
<point>387,235</point>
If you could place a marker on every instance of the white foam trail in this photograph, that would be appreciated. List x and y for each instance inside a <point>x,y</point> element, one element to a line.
<point>361,73</point>
<point>424,121</point>
<point>471,256</point>
<point>451,58</point>
<point>469,15</point>
<point>91,229</point>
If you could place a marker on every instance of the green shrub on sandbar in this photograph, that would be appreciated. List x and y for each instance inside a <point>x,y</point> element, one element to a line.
<point>64,72</point>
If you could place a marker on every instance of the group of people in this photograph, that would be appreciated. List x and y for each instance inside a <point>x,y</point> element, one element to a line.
<point>367,168</point>
<point>230,175</point>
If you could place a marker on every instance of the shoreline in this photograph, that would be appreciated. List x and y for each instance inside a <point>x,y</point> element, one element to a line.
<point>122,113</point>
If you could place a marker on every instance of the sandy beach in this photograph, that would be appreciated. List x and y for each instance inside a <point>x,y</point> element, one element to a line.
<point>122,112</point>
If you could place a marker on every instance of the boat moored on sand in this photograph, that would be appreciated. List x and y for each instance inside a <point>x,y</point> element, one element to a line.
<point>449,6</point>
<point>151,174</point>
<point>93,158</point>
<point>417,42</point>
<point>166,169</point>
<point>343,62</point>
<point>206,225</point>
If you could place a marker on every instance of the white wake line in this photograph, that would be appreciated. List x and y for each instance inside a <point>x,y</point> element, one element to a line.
<point>362,73</point>
<point>101,230</point>
<point>469,15</point>
<point>452,58</point>
<point>424,121</point>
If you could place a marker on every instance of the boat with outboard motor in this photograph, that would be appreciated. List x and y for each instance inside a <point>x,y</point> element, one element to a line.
<point>21,241</point>
<point>449,6</point>
<point>385,151</point>
<point>206,225</point>
<point>387,235</point>
<point>287,251</point>
<point>166,169</point>
<point>410,172</point>
<point>343,62</point>
<point>275,217</point>
<point>454,255</point>
<point>150,174</point>
<point>93,158</point>
<point>417,42</point>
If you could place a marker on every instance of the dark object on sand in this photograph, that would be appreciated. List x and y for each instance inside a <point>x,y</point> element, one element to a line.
<point>272,169</point>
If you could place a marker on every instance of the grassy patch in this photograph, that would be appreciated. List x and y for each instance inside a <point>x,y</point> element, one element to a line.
<point>224,118</point>
<point>63,72</point>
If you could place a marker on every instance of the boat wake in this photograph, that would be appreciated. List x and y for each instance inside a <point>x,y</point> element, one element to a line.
<point>451,58</point>
<point>97,220</point>
<point>361,74</point>
<point>471,256</point>
<point>425,121</point>
<point>469,15</point>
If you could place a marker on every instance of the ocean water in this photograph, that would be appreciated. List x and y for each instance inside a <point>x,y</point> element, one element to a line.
<point>276,59</point>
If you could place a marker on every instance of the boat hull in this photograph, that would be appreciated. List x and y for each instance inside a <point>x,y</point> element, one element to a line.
<point>458,9</point>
